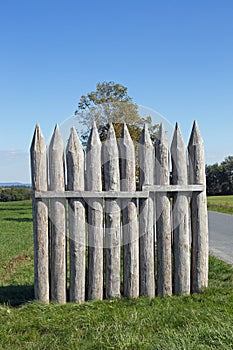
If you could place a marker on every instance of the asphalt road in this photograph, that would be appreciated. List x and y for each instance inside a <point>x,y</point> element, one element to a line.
<point>221,236</point>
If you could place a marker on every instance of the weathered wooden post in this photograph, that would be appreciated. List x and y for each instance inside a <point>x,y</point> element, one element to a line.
<point>77,234</point>
<point>95,216</point>
<point>180,211</point>
<point>113,215</point>
<point>40,217</point>
<point>199,220</point>
<point>58,219</point>
<point>163,226</point>
<point>146,212</point>
<point>129,216</point>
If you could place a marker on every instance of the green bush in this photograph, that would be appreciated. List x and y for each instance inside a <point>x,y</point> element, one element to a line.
<point>9,194</point>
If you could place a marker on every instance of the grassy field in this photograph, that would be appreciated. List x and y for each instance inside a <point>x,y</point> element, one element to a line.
<point>199,321</point>
<point>222,204</point>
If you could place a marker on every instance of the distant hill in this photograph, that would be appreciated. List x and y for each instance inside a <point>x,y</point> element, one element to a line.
<point>14,184</point>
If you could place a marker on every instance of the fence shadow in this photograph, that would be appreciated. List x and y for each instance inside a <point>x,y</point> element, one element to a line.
<point>16,295</point>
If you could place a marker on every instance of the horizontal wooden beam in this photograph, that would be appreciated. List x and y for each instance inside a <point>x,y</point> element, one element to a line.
<point>91,194</point>
<point>120,194</point>
<point>174,188</point>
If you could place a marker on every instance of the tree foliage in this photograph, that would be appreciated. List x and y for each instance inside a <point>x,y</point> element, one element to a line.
<point>9,194</point>
<point>219,177</point>
<point>105,92</point>
<point>110,103</point>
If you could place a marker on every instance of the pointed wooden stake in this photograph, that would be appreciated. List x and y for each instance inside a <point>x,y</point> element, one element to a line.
<point>146,210</point>
<point>113,214</point>
<point>40,217</point>
<point>58,219</point>
<point>77,234</point>
<point>129,216</point>
<point>95,217</point>
<point>163,225</point>
<point>181,244</point>
<point>199,220</point>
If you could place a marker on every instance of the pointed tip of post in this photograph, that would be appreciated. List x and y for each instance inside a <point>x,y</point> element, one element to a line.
<point>195,124</point>
<point>177,126</point>
<point>195,137</point>
<point>162,137</point>
<point>93,138</point>
<point>111,126</point>
<point>145,136</point>
<point>73,133</point>
<point>56,140</point>
<point>37,130</point>
<point>145,127</point>
<point>177,139</point>
<point>126,139</point>
<point>57,130</point>
<point>37,126</point>
<point>111,132</point>
<point>56,127</point>
<point>73,130</point>
<point>125,131</point>
<point>73,141</point>
<point>38,139</point>
<point>177,130</point>
<point>94,125</point>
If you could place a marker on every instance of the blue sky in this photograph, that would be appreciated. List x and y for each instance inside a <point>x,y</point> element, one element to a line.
<point>175,57</point>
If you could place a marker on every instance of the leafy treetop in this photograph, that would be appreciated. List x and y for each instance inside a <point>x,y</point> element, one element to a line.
<point>110,102</point>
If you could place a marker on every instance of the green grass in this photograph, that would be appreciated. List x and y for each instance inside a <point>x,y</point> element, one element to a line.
<point>222,204</point>
<point>16,252</point>
<point>199,321</point>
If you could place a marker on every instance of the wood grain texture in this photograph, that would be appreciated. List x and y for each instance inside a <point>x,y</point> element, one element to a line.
<point>180,211</point>
<point>40,217</point>
<point>58,219</point>
<point>130,229</point>
<point>95,216</point>
<point>163,225</point>
<point>146,213</point>
<point>199,218</point>
<point>77,223</point>
<point>112,215</point>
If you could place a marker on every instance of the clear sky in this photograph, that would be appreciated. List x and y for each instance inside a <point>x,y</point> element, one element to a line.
<point>175,57</point>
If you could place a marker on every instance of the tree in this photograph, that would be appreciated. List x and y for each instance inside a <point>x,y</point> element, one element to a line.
<point>110,103</point>
<point>213,179</point>
<point>227,171</point>
<point>219,177</point>
<point>8,194</point>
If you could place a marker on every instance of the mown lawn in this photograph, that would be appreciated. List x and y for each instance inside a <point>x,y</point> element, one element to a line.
<point>199,321</point>
<point>222,204</point>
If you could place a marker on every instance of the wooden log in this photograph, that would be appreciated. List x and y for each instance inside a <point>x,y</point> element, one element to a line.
<point>77,234</point>
<point>163,225</point>
<point>199,219</point>
<point>181,242</point>
<point>188,189</point>
<point>113,214</point>
<point>98,194</point>
<point>58,219</point>
<point>146,216</point>
<point>40,217</point>
<point>95,217</point>
<point>129,216</point>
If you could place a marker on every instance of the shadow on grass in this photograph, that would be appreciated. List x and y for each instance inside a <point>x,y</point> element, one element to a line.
<point>18,219</point>
<point>8,208</point>
<point>16,295</point>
